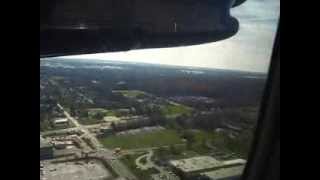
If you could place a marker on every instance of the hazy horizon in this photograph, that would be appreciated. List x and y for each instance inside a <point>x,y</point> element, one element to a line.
<point>249,50</point>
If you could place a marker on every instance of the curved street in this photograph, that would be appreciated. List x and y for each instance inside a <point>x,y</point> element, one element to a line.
<point>148,164</point>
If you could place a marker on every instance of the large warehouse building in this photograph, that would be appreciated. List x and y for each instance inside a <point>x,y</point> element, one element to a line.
<point>198,166</point>
<point>230,173</point>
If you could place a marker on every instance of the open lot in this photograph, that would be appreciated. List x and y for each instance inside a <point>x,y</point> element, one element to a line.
<point>79,170</point>
<point>143,140</point>
<point>98,115</point>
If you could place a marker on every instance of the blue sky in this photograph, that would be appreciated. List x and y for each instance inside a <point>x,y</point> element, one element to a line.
<point>249,50</point>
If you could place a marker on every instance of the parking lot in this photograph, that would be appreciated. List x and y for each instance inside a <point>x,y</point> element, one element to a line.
<point>78,170</point>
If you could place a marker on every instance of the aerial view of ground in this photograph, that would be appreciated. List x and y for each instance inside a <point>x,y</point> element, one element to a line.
<point>128,121</point>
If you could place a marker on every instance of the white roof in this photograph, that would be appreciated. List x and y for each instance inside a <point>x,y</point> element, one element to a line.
<point>234,162</point>
<point>111,118</point>
<point>63,142</point>
<point>63,120</point>
<point>196,163</point>
<point>224,172</point>
<point>203,163</point>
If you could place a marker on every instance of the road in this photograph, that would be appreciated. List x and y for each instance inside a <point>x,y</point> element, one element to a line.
<point>92,138</point>
<point>102,152</point>
<point>150,164</point>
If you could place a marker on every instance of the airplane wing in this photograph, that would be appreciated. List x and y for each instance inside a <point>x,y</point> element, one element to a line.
<point>92,26</point>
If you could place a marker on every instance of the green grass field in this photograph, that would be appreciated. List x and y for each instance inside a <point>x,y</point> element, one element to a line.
<point>201,137</point>
<point>143,160</point>
<point>173,110</point>
<point>131,93</point>
<point>167,153</point>
<point>239,146</point>
<point>142,140</point>
<point>112,113</point>
<point>92,113</point>
<point>89,121</point>
<point>182,151</point>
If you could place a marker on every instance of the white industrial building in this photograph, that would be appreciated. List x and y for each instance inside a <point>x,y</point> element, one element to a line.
<point>198,166</point>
